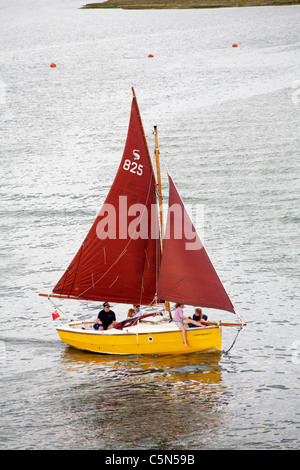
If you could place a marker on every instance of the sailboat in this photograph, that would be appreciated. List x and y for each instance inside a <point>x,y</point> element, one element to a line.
<point>128,257</point>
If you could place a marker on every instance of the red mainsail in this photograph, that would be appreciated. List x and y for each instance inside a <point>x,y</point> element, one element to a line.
<point>186,273</point>
<point>120,257</point>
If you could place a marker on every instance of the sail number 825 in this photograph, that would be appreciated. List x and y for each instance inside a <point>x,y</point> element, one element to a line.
<point>133,167</point>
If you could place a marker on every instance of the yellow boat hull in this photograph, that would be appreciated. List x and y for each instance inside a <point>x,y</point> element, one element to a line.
<point>134,341</point>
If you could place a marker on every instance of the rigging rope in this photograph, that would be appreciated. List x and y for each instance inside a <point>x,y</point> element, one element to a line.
<point>226,352</point>
<point>241,327</point>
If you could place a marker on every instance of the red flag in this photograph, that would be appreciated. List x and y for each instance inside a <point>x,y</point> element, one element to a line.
<point>55,315</point>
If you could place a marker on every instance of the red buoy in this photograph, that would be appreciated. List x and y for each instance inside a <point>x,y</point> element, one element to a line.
<point>150,55</point>
<point>234,45</point>
<point>52,65</point>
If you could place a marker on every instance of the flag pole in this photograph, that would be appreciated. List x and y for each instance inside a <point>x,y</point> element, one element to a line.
<point>56,309</point>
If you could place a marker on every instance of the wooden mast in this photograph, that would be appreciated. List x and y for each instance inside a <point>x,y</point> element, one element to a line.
<point>160,200</point>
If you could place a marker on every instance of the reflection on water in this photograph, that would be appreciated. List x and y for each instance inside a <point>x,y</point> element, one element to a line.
<point>201,367</point>
<point>145,402</point>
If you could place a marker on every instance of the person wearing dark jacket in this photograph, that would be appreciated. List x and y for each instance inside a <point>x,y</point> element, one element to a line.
<point>106,318</point>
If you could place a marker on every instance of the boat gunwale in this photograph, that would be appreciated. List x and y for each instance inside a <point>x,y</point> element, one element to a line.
<point>108,333</point>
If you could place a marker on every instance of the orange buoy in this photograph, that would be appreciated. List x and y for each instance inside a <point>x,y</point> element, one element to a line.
<point>52,65</point>
<point>150,55</point>
<point>234,45</point>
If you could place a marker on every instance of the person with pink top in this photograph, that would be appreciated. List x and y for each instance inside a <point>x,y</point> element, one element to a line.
<point>181,320</point>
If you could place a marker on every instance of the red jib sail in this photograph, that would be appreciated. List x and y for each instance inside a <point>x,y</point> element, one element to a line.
<point>187,274</point>
<point>119,257</point>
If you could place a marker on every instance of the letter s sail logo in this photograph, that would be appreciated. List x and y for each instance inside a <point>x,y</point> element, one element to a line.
<point>136,154</point>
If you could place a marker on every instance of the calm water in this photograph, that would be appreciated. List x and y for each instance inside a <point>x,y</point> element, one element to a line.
<point>228,121</point>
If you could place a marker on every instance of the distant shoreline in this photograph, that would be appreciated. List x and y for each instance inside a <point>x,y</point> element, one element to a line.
<point>186,4</point>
